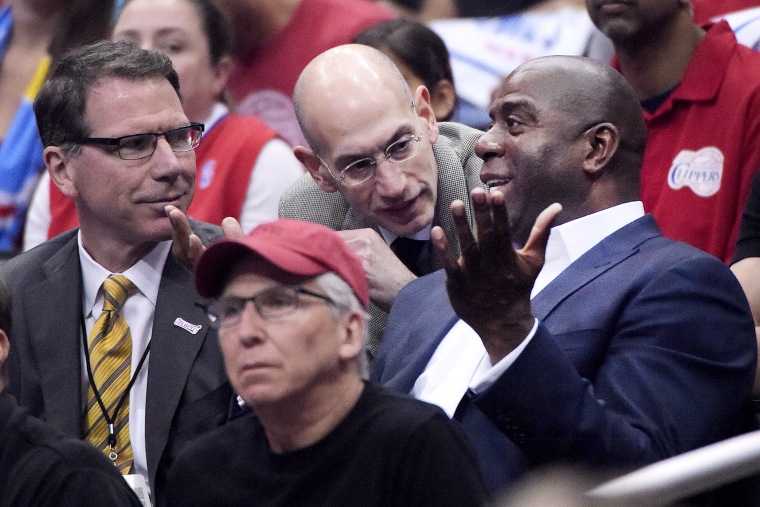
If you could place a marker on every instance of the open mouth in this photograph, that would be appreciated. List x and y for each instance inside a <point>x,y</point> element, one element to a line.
<point>497,184</point>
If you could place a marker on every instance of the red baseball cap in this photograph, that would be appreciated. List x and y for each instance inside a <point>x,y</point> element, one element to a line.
<point>296,247</point>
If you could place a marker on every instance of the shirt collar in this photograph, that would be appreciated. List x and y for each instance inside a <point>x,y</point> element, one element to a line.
<point>581,235</point>
<point>423,234</point>
<point>145,273</point>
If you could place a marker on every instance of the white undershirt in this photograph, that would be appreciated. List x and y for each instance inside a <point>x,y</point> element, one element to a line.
<point>460,362</point>
<point>138,311</point>
<point>275,169</point>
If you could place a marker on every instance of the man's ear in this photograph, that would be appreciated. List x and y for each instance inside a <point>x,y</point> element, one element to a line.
<point>425,111</point>
<point>600,144</point>
<point>352,343</point>
<point>312,163</point>
<point>57,163</point>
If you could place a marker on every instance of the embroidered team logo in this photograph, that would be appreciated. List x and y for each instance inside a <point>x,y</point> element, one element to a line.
<point>701,171</point>
<point>207,174</point>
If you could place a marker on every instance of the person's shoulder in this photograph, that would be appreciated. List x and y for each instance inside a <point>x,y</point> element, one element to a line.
<point>27,265</point>
<point>399,413</point>
<point>218,441</point>
<point>305,200</point>
<point>645,236</point>
<point>49,450</point>
<point>661,256</point>
<point>457,141</point>
<point>459,134</point>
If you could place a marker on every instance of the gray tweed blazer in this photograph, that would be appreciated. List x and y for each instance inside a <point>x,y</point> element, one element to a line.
<point>458,174</point>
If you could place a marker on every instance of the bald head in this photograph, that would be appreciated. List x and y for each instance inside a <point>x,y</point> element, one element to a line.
<point>352,78</point>
<point>591,93</point>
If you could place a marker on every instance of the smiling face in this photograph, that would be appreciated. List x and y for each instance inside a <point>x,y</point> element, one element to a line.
<point>122,201</point>
<point>174,27</point>
<point>283,359</point>
<point>533,151</point>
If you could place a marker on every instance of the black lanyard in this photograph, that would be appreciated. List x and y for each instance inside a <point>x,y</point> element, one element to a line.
<point>109,419</point>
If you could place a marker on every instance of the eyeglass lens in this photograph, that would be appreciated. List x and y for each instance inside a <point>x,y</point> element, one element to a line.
<point>399,151</point>
<point>273,302</point>
<point>143,145</point>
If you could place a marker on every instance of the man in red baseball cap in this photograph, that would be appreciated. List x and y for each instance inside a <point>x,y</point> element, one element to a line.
<point>290,304</point>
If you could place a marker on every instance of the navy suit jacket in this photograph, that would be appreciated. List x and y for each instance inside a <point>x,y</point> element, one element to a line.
<point>645,349</point>
<point>187,392</point>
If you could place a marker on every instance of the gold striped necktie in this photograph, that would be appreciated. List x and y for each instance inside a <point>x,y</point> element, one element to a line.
<point>110,362</point>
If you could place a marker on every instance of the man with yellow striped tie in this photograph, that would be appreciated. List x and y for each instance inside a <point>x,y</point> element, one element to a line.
<point>112,345</point>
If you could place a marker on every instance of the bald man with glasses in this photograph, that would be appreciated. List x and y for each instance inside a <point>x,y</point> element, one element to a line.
<point>382,171</point>
<point>110,344</point>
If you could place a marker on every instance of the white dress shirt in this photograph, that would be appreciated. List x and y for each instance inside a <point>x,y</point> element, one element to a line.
<point>460,362</point>
<point>138,311</point>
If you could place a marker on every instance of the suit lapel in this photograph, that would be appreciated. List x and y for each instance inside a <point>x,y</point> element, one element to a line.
<point>611,251</point>
<point>413,337</point>
<point>172,354</point>
<point>56,344</point>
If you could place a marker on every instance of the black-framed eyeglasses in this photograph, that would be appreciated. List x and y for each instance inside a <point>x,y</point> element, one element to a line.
<point>359,171</point>
<point>277,301</point>
<point>137,146</point>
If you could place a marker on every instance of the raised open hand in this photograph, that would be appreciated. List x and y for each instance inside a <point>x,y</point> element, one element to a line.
<point>187,247</point>
<point>489,285</point>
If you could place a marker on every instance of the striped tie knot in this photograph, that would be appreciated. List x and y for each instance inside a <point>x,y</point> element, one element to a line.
<point>116,289</point>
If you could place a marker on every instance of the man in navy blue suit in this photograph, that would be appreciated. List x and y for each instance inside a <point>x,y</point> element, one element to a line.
<point>598,341</point>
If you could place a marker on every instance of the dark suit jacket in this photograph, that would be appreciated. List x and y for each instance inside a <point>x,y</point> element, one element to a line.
<point>187,393</point>
<point>458,174</point>
<point>645,349</point>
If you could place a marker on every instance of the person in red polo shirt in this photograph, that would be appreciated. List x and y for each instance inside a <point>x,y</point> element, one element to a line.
<point>700,92</point>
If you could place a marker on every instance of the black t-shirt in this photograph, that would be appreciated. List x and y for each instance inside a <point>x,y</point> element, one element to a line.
<point>390,450</point>
<point>40,467</point>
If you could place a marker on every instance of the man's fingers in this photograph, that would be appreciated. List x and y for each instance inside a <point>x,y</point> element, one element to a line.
<point>180,226</point>
<point>231,228</point>
<point>501,219</point>
<point>481,209</point>
<point>461,226</point>
<point>187,247</point>
<point>441,245</point>
<point>539,235</point>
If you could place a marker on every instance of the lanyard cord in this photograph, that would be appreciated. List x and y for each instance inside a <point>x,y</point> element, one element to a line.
<point>109,420</point>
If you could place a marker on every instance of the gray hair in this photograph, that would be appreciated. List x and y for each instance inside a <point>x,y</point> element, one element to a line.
<point>345,301</point>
